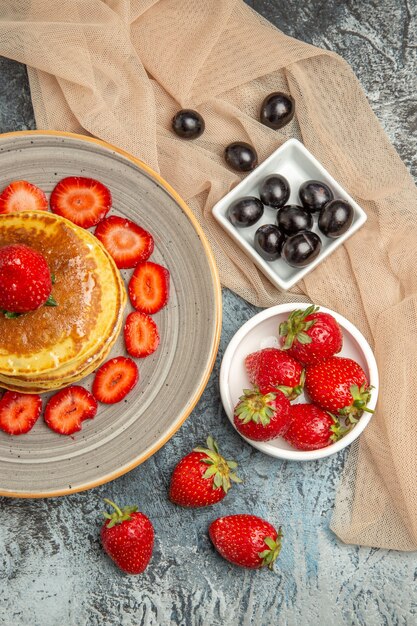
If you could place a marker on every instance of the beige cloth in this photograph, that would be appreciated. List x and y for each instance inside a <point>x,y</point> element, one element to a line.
<point>120,69</point>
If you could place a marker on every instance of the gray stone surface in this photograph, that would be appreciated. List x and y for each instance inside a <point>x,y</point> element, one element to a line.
<point>52,570</point>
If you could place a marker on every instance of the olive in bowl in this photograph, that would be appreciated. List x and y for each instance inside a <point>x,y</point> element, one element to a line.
<point>245,212</point>
<point>301,249</point>
<point>335,218</point>
<point>274,191</point>
<point>269,241</point>
<point>314,195</point>
<point>292,219</point>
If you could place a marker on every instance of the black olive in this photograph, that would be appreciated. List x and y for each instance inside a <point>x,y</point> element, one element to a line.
<point>241,156</point>
<point>245,211</point>
<point>277,110</point>
<point>274,191</point>
<point>335,218</point>
<point>314,195</point>
<point>301,249</point>
<point>269,241</point>
<point>188,124</point>
<point>292,219</point>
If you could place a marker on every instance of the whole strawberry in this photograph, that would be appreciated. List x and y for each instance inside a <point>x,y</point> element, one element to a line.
<point>25,279</point>
<point>127,536</point>
<point>339,385</point>
<point>246,540</point>
<point>271,369</point>
<point>202,477</point>
<point>312,428</point>
<point>262,417</point>
<point>311,336</point>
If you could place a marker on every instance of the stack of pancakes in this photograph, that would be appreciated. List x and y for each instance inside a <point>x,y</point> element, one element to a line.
<point>53,346</point>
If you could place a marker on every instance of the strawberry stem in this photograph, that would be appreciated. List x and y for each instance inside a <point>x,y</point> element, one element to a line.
<point>219,468</point>
<point>119,515</point>
<point>295,327</point>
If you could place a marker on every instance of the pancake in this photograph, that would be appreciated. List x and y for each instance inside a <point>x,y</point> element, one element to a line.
<point>52,347</point>
<point>89,292</point>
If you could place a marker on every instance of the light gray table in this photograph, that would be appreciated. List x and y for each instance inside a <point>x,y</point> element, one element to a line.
<point>52,570</point>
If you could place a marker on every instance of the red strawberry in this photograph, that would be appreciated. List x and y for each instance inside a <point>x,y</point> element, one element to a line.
<point>149,287</point>
<point>22,196</point>
<point>19,412</point>
<point>246,540</point>
<point>128,536</point>
<point>127,242</point>
<point>114,379</point>
<point>25,279</point>
<point>312,428</point>
<point>339,385</point>
<point>262,417</point>
<point>202,477</point>
<point>83,201</point>
<point>271,369</point>
<point>141,334</point>
<point>67,409</point>
<point>311,336</point>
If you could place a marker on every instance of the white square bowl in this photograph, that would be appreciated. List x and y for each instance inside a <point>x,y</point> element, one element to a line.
<point>293,161</point>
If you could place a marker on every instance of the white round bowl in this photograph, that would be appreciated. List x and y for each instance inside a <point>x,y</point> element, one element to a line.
<point>261,331</point>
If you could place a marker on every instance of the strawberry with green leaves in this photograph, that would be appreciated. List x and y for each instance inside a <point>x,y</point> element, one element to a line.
<point>246,540</point>
<point>127,536</point>
<point>262,417</point>
<point>203,477</point>
<point>311,336</point>
<point>271,369</point>
<point>339,385</point>
<point>313,428</point>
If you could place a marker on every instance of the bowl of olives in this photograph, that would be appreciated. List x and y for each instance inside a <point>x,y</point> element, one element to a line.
<point>289,214</point>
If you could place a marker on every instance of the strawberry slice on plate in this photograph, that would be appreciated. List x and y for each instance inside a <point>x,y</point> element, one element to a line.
<point>19,412</point>
<point>127,242</point>
<point>114,379</point>
<point>83,201</point>
<point>67,409</point>
<point>149,287</point>
<point>22,196</point>
<point>141,335</point>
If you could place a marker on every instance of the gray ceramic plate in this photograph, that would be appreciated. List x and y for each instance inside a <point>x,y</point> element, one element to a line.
<point>43,463</point>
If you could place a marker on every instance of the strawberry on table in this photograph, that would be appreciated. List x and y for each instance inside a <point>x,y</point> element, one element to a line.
<point>149,287</point>
<point>246,540</point>
<point>271,369</point>
<point>311,336</point>
<point>83,201</point>
<point>114,379</point>
<point>19,412</point>
<point>127,242</point>
<point>202,477</point>
<point>22,196</point>
<point>339,385</point>
<point>127,536</point>
<point>68,408</point>
<point>141,334</point>
<point>313,428</point>
<point>262,417</point>
<point>25,279</point>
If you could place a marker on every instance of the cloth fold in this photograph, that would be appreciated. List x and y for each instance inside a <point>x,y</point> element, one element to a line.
<point>120,69</point>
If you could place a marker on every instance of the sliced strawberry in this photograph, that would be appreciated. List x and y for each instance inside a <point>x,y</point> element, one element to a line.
<point>68,408</point>
<point>149,287</point>
<point>114,379</point>
<point>19,412</point>
<point>84,201</point>
<point>22,196</point>
<point>141,334</point>
<point>127,242</point>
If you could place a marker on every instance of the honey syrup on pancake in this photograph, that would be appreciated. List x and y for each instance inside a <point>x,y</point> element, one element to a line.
<point>75,290</point>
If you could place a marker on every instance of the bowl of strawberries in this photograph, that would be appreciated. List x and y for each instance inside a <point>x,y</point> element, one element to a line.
<point>299,382</point>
